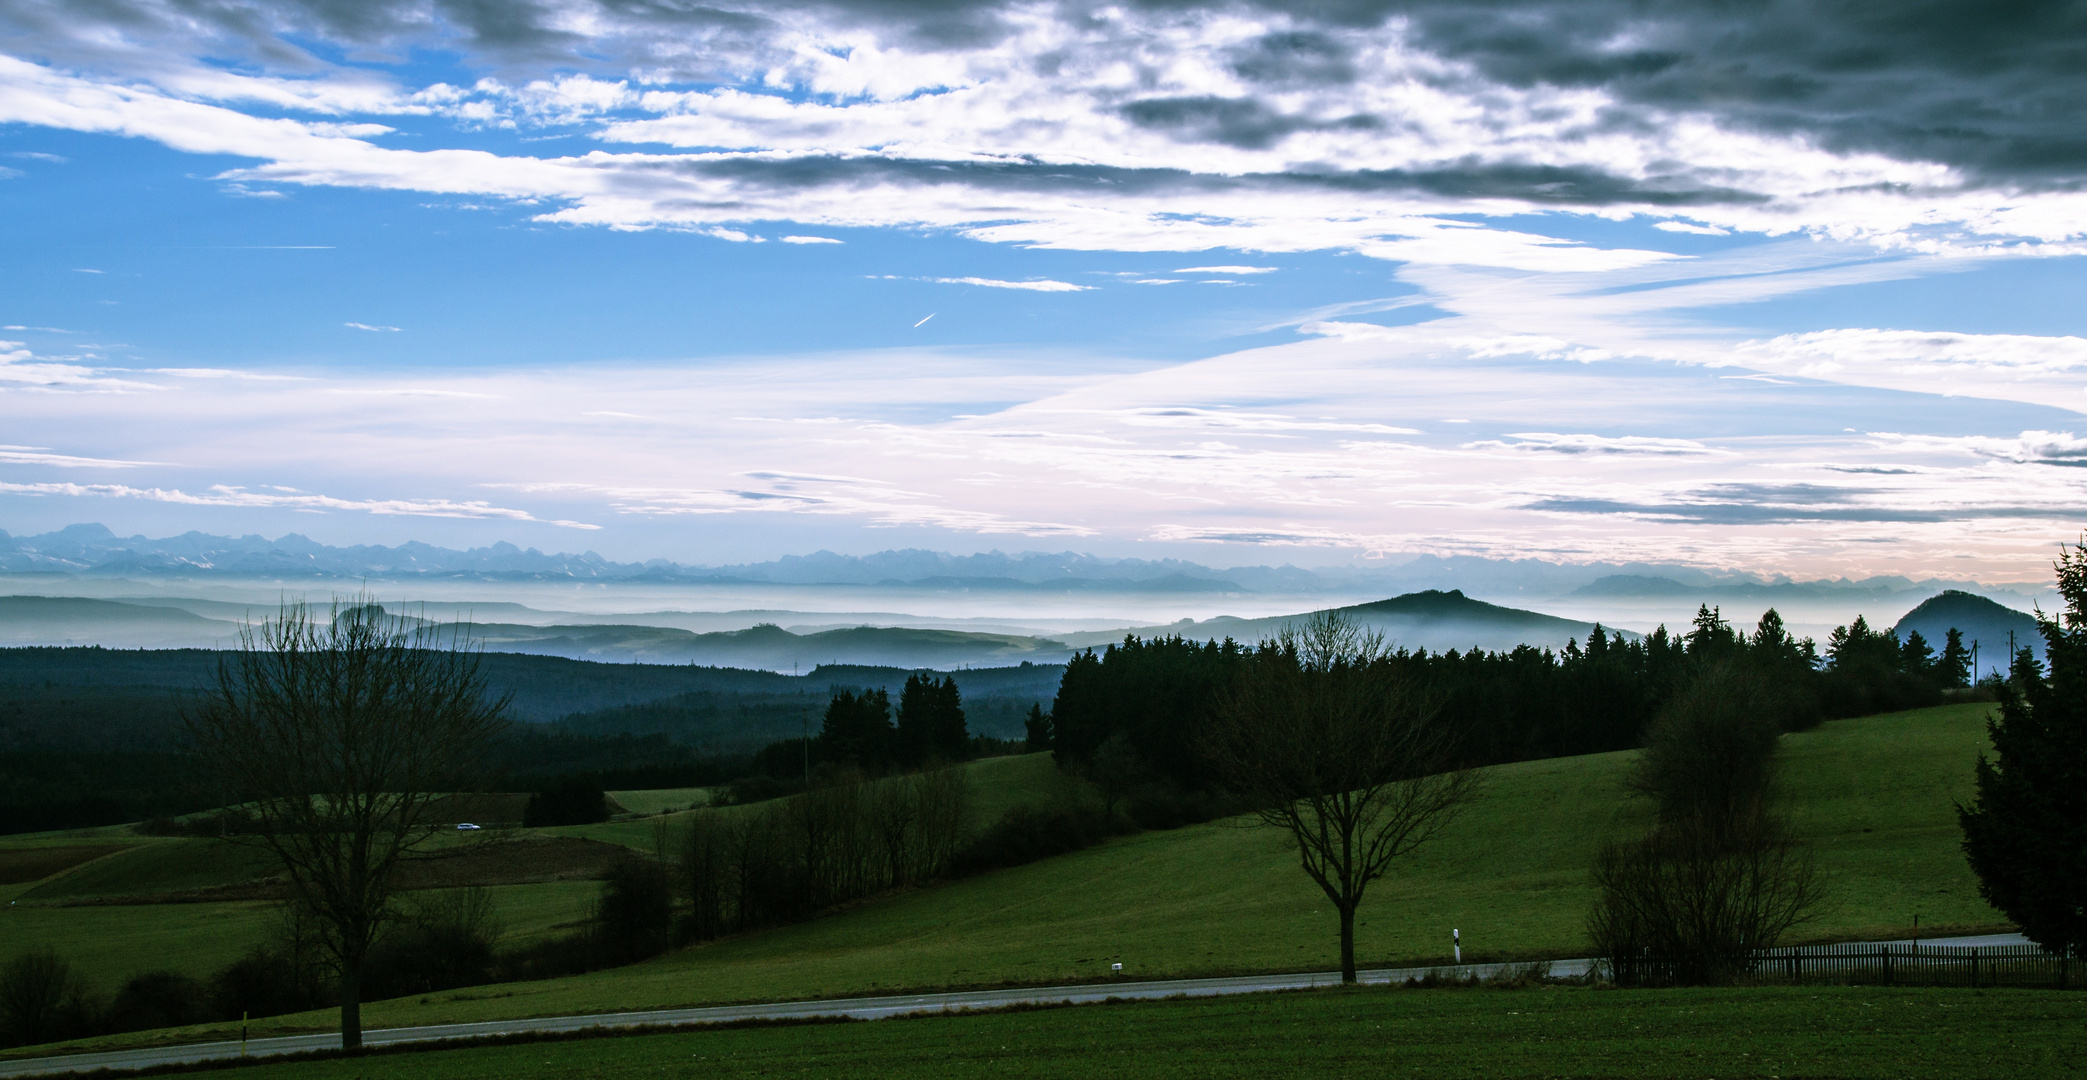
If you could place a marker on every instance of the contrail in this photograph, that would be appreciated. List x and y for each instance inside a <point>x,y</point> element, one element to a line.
<point>931,315</point>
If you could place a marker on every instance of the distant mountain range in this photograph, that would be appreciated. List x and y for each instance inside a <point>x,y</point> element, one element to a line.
<point>1433,620</point>
<point>93,551</point>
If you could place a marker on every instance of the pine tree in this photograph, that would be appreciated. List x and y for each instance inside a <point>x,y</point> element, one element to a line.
<point>857,729</point>
<point>1038,728</point>
<point>931,720</point>
<point>1916,656</point>
<point>2025,833</point>
<point>1954,665</point>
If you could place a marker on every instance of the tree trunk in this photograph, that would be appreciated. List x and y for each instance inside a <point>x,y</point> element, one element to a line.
<point>351,1007</point>
<point>1347,943</point>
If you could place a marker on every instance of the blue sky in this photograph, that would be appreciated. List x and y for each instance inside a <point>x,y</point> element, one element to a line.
<point>1236,283</point>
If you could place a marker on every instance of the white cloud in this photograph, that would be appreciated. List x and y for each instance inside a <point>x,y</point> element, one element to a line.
<point>844,129</point>
<point>407,391</point>
<point>1226,270</point>
<point>227,496</point>
<point>1039,285</point>
<point>40,455</point>
<point>2030,447</point>
<point>2013,367</point>
<point>25,370</point>
<point>872,503</point>
<point>1546,442</point>
<point>224,373</point>
<point>1687,227</point>
<point>368,326</point>
<point>1241,420</point>
<point>810,240</point>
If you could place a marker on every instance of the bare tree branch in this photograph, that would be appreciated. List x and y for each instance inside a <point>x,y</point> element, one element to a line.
<point>1336,747</point>
<point>341,735</point>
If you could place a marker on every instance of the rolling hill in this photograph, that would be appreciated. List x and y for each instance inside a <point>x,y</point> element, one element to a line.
<point>1981,620</point>
<point>1872,797</point>
<point>1433,619</point>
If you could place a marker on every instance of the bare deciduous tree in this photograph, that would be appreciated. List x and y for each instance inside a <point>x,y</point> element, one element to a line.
<point>341,734</point>
<point>1697,906</point>
<point>1718,879</point>
<point>1335,747</point>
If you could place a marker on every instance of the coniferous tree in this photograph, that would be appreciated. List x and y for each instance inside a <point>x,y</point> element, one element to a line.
<point>1953,667</point>
<point>1038,729</point>
<point>931,720</point>
<point>858,729</point>
<point>2025,832</point>
<point>1916,656</point>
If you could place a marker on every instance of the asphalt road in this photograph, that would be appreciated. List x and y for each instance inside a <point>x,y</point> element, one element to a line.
<point>864,1008</point>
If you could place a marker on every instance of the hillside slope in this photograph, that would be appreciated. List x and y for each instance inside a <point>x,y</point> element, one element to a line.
<point>1873,796</point>
<point>1434,620</point>
<point>1981,620</point>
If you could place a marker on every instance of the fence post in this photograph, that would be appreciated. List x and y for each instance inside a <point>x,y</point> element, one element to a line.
<point>1974,967</point>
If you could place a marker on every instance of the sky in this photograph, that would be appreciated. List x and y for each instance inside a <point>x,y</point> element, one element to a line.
<point>1784,288</point>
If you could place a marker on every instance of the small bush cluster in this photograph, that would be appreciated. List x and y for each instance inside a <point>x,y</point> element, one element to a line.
<point>445,940</point>
<point>574,800</point>
<point>844,839</point>
<point>1719,878</point>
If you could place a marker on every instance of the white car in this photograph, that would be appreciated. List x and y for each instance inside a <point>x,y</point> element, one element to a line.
<point>467,827</point>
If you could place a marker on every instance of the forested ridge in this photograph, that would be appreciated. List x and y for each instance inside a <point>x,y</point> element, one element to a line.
<point>1142,705</point>
<point>88,736</point>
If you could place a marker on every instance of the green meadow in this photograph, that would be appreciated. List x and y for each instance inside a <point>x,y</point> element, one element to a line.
<point>1874,797</point>
<point>1493,1034</point>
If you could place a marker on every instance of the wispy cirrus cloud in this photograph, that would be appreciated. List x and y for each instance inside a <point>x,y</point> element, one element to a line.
<point>1037,285</point>
<point>1546,442</point>
<point>2016,367</point>
<point>22,369</point>
<point>42,455</point>
<point>239,497</point>
<point>875,503</point>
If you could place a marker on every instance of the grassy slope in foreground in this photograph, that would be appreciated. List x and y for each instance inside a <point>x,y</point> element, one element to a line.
<point>1813,1032</point>
<point>1512,875</point>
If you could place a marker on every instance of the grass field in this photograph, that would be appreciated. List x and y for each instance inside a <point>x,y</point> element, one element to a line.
<point>1495,1034</point>
<point>661,800</point>
<point>1872,796</point>
<point>997,786</point>
<point>107,944</point>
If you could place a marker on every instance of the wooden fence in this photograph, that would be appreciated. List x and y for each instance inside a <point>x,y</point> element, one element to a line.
<point>1892,964</point>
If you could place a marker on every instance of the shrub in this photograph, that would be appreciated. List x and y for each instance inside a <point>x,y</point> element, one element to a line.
<point>1692,907</point>
<point>635,911</point>
<point>576,800</point>
<point>1025,835</point>
<point>41,1001</point>
<point>158,999</point>
<point>446,942</point>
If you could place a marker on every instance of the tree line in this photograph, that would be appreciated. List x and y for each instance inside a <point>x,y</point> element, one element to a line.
<point>1142,706</point>
<point>784,860</point>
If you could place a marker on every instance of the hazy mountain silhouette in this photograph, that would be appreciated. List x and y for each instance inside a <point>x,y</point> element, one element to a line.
<point>1979,619</point>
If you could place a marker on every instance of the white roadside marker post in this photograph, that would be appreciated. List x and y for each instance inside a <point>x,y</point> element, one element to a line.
<point>1456,941</point>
